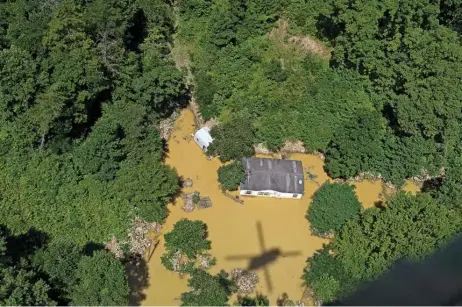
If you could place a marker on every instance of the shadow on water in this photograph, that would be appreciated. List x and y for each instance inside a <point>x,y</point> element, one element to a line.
<point>138,279</point>
<point>436,281</point>
<point>265,258</point>
<point>379,204</point>
<point>260,261</point>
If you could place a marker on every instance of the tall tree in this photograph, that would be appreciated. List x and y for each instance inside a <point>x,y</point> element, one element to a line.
<point>188,237</point>
<point>231,175</point>
<point>18,84</point>
<point>27,23</point>
<point>23,286</point>
<point>60,261</point>
<point>207,290</point>
<point>435,225</point>
<point>101,280</point>
<point>101,151</point>
<point>356,147</point>
<point>332,206</point>
<point>107,22</point>
<point>160,86</point>
<point>147,185</point>
<point>233,140</point>
<point>71,73</point>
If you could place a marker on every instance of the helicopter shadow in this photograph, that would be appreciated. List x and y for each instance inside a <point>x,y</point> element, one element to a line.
<point>265,258</point>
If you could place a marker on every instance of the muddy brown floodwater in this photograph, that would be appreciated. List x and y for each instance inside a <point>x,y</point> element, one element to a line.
<point>232,227</point>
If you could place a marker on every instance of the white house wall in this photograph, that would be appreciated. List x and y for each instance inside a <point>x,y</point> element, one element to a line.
<point>269,193</point>
<point>202,138</point>
<point>200,143</point>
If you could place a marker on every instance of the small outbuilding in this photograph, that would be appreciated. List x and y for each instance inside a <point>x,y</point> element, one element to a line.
<point>203,138</point>
<point>273,178</point>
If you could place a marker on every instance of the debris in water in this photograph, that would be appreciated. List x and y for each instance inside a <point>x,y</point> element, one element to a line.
<point>137,237</point>
<point>188,202</point>
<point>175,260</point>
<point>114,247</point>
<point>245,281</point>
<point>204,202</point>
<point>187,183</point>
<point>205,261</point>
<point>166,125</point>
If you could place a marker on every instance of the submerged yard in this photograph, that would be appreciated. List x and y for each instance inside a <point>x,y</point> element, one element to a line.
<point>232,227</point>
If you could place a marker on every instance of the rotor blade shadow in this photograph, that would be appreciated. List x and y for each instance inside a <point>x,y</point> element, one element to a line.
<point>291,254</point>
<point>261,239</point>
<point>240,257</point>
<point>268,280</point>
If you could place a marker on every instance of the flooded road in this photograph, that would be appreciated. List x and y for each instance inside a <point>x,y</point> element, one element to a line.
<point>232,227</point>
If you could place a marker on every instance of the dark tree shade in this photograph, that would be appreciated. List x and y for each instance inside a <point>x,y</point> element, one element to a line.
<point>333,204</point>
<point>258,300</point>
<point>449,192</point>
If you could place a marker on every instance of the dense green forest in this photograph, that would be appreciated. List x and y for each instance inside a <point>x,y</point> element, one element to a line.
<point>84,85</point>
<point>387,100</point>
<point>82,89</point>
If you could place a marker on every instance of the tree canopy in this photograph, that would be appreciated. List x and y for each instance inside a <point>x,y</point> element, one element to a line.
<point>187,236</point>
<point>332,206</point>
<point>84,86</point>
<point>409,227</point>
<point>373,85</point>
<point>81,99</point>
<point>232,140</point>
<point>207,290</point>
<point>101,280</point>
<point>382,103</point>
<point>35,271</point>
<point>231,175</point>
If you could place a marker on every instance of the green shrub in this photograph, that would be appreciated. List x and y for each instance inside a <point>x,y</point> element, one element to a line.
<point>196,197</point>
<point>207,290</point>
<point>233,140</point>
<point>231,175</point>
<point>333,204</point>
<point>187,236</point>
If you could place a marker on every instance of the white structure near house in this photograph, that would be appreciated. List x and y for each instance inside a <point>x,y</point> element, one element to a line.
<point>273,178</point>
<point>203,138</point>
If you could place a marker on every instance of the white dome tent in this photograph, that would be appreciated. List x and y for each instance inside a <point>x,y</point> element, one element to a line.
<point>203,138</point>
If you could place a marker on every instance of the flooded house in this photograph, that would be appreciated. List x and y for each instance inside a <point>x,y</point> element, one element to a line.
<point>273,178</point>
<point>203,138</point>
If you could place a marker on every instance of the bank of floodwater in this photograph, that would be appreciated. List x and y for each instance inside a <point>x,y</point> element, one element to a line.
<point>232,227</point>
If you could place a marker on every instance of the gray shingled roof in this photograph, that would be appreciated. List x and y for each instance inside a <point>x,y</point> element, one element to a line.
<point>285,176</point>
